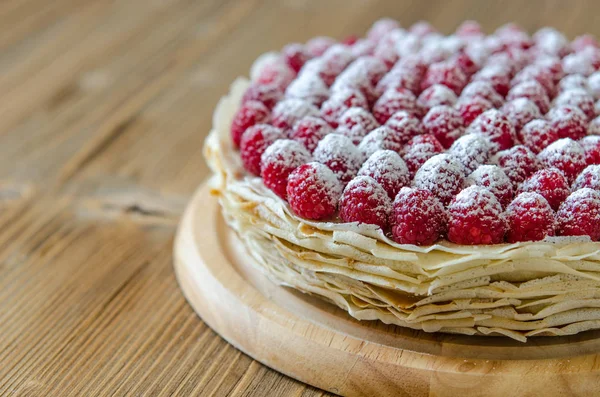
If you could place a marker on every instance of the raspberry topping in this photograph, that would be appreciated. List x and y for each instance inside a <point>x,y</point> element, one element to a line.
<point>484,90</point>
<point>287,112</point>
<point>591,147</point>
<point>445,123</point>
<point>365,201</point>
<point>274,73</point>
<point>520,111</point>
<point>550,183</point>
<point>313,191</point>
<point>573,81</point>
<point>471,107</point>
<point>495,75</point>
<point>495,180</point>
<point>579,215</point>
<point>442,174</point>
<point>310,87</point>
<point>295,56</point>
<point>444,73</point>
<point>405,125</point>
<point>356,123</point>
<point>254,142</point>
<point>579,98</point>
<point>533,91</point>
<point>388,169</point>
<point>400,77</point>
<point>249,114</point>
<point>381,138</point>
<point>420,149</point>
<point>594,85</point>
<point>589,177</point>
<point>317,46</point>
<point>584,41</point>
<point>339,102</point>
<point>471,151</point>
<point>469,29</point>
<point>268,95</point>
<point>537,134</point>
<point>278,161</point>
<point>494,125</point>
<point>339,154</point>
<point>566,155</point>
<point>594,127</point>
<point>417,217</point>
<point>475,217</point>
<point>551,41</point>
<point>568,122</point>
<point>381,28</point>
<point>333,62</point>
<point>436,95</point>
<point>518,163</point>
<point>393,101</point>
<point>309,131</point>
<point>464,62</point>
<point>539,75</point>
<point>530,218</point>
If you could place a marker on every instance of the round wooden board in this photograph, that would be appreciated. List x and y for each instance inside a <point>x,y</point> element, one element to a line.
<point>317,343</point>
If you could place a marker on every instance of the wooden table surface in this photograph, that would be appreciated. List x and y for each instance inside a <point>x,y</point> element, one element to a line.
<point>104,107</point>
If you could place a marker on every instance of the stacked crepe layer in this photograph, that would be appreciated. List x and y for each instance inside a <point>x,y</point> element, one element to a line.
<point>517,290</point>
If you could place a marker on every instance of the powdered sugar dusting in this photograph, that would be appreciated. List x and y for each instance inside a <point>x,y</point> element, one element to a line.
<point>436,95</point>
<point>287,112</point>
<point>495,180</point>
<point>310,87</point>
<point>442,174</point>
<point>589,177</point>
<point>355,123</point>
<point>388,169</point>
<point>286,153</point>
<point>472,151</point>
<point>381,138</point>
<point>340,155</point>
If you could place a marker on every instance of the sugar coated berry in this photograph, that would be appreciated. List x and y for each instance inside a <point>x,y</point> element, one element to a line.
<point>469,29</point>
<point>471,107</point>
<point>309,87</point>
<point>579,215</point>
<point>399,78</point>
<point>584,41</point>
<point>551,41</point>
<point>254,142</point>
<point>497,76</point>
<point>295,56</point>
<point>334,60</point>
<point>529,218</point>
<point>465,63</point>
<point>518,163</point>
<point>313,191</point>
<point>591,147</point>
<point>484,90</point>
<point>566,155</point>
<point>475,217</point>
<point>539,75</point>
<point>579,98</point>
<point>420,149</point>
<point>520,111</point>
<point>249,114</point>
<point>537,134</point>
<point>593,83</point>
<point>471,151</point>
<point>356,123</point>
<point>405,125</point>
<point>550,183</point>
<point>380,138</point>
<point>278,161</point>
<point>436,95</point>
<point>365,201</point>
<point>317,46</point>
<point>340,101</point>
<point>287,112</point>
<point>388,169</point>
<point>568,122</point>
<point>494,125</point>
<point>445,123</point>
<point>495,180</point>
<point>594,127</point>
<point>418,217</point>
<point>273,73</point>
<point>381,27</point>
<point>589,177</point>
<point>393,101</point>
<point>443,175</point>
<point>573,81</point>
<point>533,91</point>
<point>445,73</point>
<point>309,131</point>
<point>268,95</point>
<point>339,154</point>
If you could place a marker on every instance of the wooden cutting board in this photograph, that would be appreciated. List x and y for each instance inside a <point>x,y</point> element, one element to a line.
<point>317,343</point>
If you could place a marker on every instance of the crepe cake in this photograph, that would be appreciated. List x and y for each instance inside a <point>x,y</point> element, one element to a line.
<point>441,183</point>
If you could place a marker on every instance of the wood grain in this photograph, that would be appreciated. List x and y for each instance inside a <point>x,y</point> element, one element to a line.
<point>104,108</point>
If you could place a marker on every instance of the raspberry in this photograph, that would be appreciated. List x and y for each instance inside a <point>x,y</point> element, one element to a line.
<point>594,127</point>
<point>393,101</point>
<point>268,95</point>
<point>591,146</point>
<point>484,90</point>
<point>470,108</point>
<point>551,41</point>
<point>536,74</point>
<point>495,180</point>
<point>593,83</point>
<point>537,134</point>
<point>475,217</point>
<point>334,60</point>
<point>518,163</point>
<point>552,66</point>
<point>278,161</point>
<point>405,125</point>
<point>566,155</point>
<point>365,201</point>
<point>339,102</point>
<point>444,73</point>
<point>287,112</point>
<point>339,154</point>
<point>584,41</point>
<point>417,217</point>
<point>422,29</point>
<point>398,79</point>
<point>573,81</point>
<point>313,191</point>
<point>469,29</point>
<point>442,174</point>
<point>275,73</point>
<point>254,142</point>
<point>387,53</point>
<point>520,112</point>
<point>464,62</point>
<point>497,76</point>
<point>388,169</point>
<point>436,95</point>
<point>568,122</point>
<point>309,87</point>
<point>309,131</point>
<point>295,56</point>
<point>317,46</point>
<point>550,183</point>
<point>380,138</point>
<point>579,215</point>
<point>584,62</point>
<point>530,218</point>
<point>589,177</point>
<point>471,151</point>
<point>381,27</point>
<point>533,91</point>
<point>362,75</point>
<point>493,125</point>
<point>249,114</point>
<point>445,123</point>
<point>356,123</point>
<point>420,149</point>
<point>363,47</point>
<point>578,98</point>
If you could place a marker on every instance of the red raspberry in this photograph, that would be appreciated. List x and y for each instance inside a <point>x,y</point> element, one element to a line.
<point>497,76</point>
<point>584,41</point>
<point>445,73</point>
<point>295,56</point>
<point>518,163</point>
<point>584,62</point>
<point>442,174</point>
<point>350,40</point>
<point>388,169</point>
<point>313,191</point>
<point>530,218</point>
<point>393,101</point>
<point>309,87</point>
<point>495,180</point>
<point>591,146</point>
<point>578,98</point>
<point>339,102</point>
<point>365,201</point>
<point>363,47</point>
<point>362,74</point>
<point>268,95</point>
<point>537,134</point>
<point>398,79</point>
<point>469,29</point>
<point>387,53</point>
<point>309,131</point>
<point>445,123</point>
<point>551,41</point>
<point>552,66</point>
<point>589,177</point>
<point>381,138</point>
<point>536,73</point>
<point>417,217</point>
<point>275,73</point>
<point>420,149</point>
<point>278,161</point>
<point>254,142</point>
<point>579,215</point>
<point>475,217</point>
<point>422,29</point>
<point>405,125</point>
<point>471,151</point>
<point>493,125</point>
<point>333,62</point>
<point>287,112</point>
<point>317,46</point>
<point>594,127</point>
<point>249,114</point>
<point>339,154</point>
<point>573,81</point>
<point>436,95</point>
<point>568,122</point>
<point>484,90</point>
<point>356,123</point>
<point>520,112</point>
<point>470,108</point>
<point>532,90</point>
<point>593,83</point>
<point>464,62</point>
<point>382,27</point>
<point>550,183</point>
<point>566,155</point>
